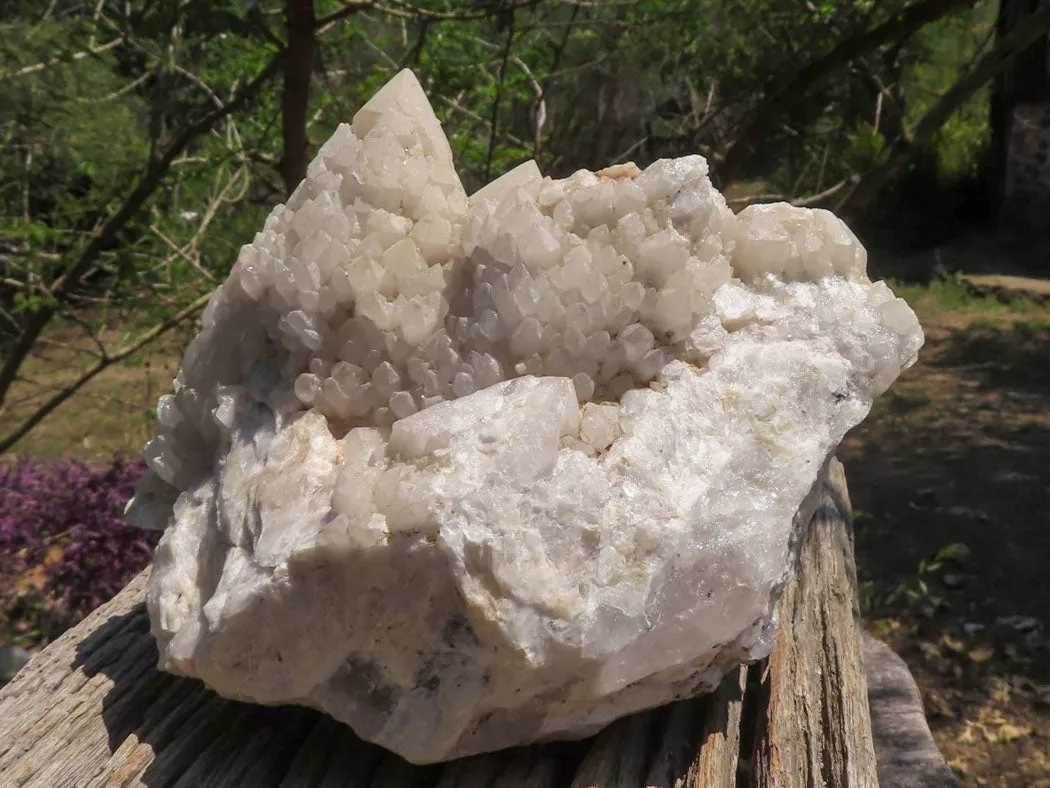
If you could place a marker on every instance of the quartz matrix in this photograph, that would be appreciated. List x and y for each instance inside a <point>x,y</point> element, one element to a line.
<point>471,472</point>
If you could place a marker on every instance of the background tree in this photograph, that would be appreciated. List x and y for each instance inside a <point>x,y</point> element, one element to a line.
<point>142,144</point>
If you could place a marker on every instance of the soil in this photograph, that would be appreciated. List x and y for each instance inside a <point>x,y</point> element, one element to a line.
<point>954,460</point>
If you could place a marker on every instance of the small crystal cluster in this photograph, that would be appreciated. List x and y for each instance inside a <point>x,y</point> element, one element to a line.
<point>474,472</point>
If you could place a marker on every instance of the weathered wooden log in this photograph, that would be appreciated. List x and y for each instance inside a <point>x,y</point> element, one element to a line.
<point>814,727</point>
<point>92,710</point>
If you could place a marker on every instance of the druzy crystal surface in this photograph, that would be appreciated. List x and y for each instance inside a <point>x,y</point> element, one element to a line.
<point>471,472</point>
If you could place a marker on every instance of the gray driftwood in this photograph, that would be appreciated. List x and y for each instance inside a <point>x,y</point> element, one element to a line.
<point>92,710</point>
<point>904,746</point>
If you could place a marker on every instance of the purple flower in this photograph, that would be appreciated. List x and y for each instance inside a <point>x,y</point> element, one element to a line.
<point>68,517</point>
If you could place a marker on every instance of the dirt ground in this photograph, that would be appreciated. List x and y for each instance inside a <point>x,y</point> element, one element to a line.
<point>954,461</point>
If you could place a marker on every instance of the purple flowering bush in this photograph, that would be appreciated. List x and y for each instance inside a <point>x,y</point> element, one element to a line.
<point>66,518</point>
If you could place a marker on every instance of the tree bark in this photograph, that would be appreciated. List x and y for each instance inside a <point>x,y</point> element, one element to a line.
<point>813,726</point>
<point>1034,28</point>
<point>1026,80</point>
<point>819,71</point>
<point>295,96</point>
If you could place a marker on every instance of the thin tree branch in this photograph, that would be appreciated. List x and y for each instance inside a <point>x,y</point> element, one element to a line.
<point>499,96</point>
<point>105,361</point>
<point>799,202</point>
<point>33,69</point>
<point>411,56</point>
<point>119,91</point>
<point>478,118</point>
<point>539,108</point>
<point>216,100</point>
<point>411,12</point>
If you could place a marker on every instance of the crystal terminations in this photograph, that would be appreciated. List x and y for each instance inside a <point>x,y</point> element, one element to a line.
<point>471,472</point>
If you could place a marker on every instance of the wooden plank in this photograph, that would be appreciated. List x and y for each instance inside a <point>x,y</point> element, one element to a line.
<point>715,766</point>
<point>677,743</point>
<point>531,767</point>
<point>520,767</point>
<point>619,755</point>
<point>814,728</point>
<point>395,772</point>
<point>92,710</point>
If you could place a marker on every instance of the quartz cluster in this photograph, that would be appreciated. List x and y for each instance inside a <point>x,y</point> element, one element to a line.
<point>471,472</point>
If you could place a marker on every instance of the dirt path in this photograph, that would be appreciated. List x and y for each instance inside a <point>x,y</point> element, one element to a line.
<point>958,453</point>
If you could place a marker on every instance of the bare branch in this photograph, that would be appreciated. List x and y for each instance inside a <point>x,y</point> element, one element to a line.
<point>217,101</point>
<point>107,233</point>
<point>33,69</point>
<point>798,202</point>
<point>493,127</point>
<point>119,91</point>
<point>539,108</point>
<point>478,118</point>
<point>408,11</point>
<point>105,361</point>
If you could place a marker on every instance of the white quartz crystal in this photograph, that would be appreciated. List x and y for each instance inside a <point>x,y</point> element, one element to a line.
<point>473,472</point>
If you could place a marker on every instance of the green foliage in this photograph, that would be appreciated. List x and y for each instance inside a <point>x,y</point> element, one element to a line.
<point>863,147</point>
<point>92,94</point>
<point>962,141</point>
<point>953,292</point>
<point>935,58</point>
<point>922,588</point>
<point>636,79</point>
<point>80,130</point>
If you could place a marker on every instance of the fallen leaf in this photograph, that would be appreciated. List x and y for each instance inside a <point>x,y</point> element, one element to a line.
<point>981,654</point>
<point>1020,623</point>
<point>1008,733</point>
<point>952,644</point>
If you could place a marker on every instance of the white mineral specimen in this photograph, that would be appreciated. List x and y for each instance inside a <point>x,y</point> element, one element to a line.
<point>469,473</point>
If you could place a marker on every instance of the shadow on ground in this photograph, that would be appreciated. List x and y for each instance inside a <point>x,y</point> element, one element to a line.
<point>957,454</point>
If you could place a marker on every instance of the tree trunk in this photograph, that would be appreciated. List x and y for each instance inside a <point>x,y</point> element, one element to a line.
<point>295,96</point>
<point>1027,79</point>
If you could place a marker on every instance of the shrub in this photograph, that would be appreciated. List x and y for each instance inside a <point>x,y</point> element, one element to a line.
<point>67,518</point>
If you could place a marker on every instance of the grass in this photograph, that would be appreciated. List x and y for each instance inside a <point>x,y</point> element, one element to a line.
<point>114,412</point>
<point>955,294</point>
